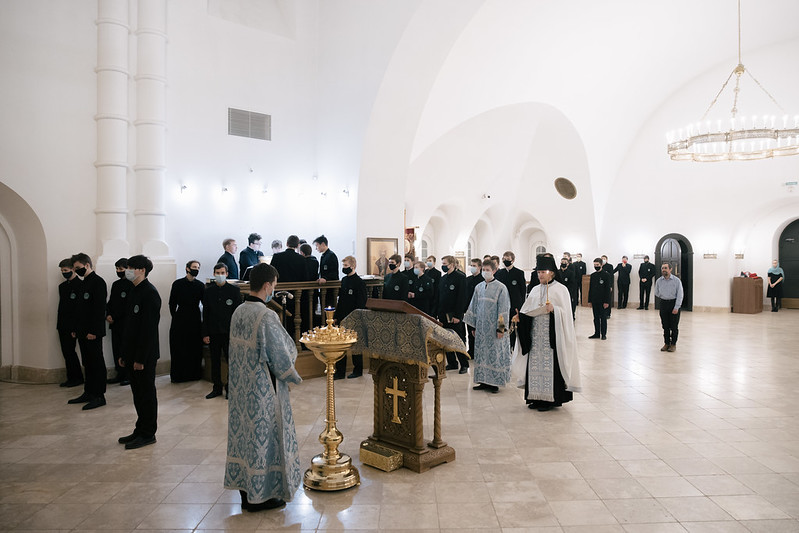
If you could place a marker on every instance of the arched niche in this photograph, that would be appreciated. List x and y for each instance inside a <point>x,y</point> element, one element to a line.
<point>27,338</point>
<point>788,256</point>
<point>677,250</point>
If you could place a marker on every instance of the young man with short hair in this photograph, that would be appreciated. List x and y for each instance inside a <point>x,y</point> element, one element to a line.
<point>115,312</point>
<point>219,301</point>
<point>352,296</point>
<point>140,351</point>
<point>65,322</point>
<point>229,259</point>
<point>90,330</point>
<point>185,331</point>
<point>251,255</point>
<point>669,289</point>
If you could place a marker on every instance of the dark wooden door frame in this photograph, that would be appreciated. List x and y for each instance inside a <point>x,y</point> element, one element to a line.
<point>686,265</point>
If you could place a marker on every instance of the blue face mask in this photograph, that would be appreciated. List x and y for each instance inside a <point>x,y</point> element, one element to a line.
<point>269,297</point>
<point>417,271</point>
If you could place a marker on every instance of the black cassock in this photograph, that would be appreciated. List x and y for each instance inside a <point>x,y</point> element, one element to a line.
<point>185,332</point>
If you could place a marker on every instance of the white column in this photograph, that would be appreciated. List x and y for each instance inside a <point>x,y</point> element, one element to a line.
<point>150,125</point>
<point>112,129</point>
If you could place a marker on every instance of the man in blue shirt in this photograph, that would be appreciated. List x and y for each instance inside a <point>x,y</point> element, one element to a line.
<point>669,289</point>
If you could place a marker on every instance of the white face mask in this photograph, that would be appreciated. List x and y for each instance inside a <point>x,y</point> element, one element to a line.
<point>220,279</point>
<point>488,275</point>
<point>473,269</point>
<point>130,275</point>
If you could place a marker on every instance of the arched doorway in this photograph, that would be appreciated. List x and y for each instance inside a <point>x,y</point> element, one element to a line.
<point>677,251</point>
<point>789,261</point>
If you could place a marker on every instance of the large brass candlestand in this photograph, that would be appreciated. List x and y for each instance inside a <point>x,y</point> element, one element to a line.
<point>330,470</point>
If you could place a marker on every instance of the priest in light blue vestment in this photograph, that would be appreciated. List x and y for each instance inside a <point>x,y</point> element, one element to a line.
<point>488,314</point>
<point>262,452</point>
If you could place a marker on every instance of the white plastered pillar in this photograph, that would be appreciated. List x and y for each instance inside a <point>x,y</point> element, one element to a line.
<point>112,129</point>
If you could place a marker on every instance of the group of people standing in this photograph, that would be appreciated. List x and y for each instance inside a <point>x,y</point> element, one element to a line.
<point>132,312</point>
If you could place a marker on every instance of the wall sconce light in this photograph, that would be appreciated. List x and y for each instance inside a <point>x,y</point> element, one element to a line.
<point>183,188</point>
<point>346,191</point>
<point>709,256</point>
<point>264,190</point>
<point>639,255</point>
<point>739,255</point>
<point>224,190</point>
<point>324,194</point>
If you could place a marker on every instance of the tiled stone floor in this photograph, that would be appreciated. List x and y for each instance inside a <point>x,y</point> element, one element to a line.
<point>705,439</point>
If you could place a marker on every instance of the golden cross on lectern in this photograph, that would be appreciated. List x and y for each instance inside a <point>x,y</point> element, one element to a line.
<point>396,393</point>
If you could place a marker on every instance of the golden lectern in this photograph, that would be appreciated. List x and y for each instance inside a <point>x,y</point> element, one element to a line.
<point>401,347</point>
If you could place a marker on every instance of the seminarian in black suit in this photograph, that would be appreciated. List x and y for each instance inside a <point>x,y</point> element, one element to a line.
<point>141,352</point>
<point>599,297</point>
<point>579,271</point>
<point>513,279</point>
<point>312,273</point>
<point>623,282</point>
<point>352,296</point>
<point>568,278</point>
<point>229,259</point>
<point>251,255</point>
<point>65,322</point>
<point>116,311</point>
<point>219,301</point>
<point>607,267</point>
<point>395,283</point>
<point>328,269</point>
<point>90,330</point>
<point>646,275</point>
<point>452,304</point>
<point>290,265</point>
<point>434,274</point>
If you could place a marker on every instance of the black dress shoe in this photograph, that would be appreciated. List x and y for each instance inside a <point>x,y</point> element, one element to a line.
<point>139,441</point>
<point>272,503</point>
<point>113,380</point>
<point>480,386</point>
<point>604,337</point>
<point>95,403</point>
<point>355,375</point>
<point>544,408</point>
<point>639,308</point>
<point>493,389</point>
<point>127,438</point>
<point>337,377</point>
<point>451,367</point>
<point>213,394</point>
<point>123,382</point>
<point>69,384</point>
<point>594,336</point>
<point>83,398</point>
<point>463,370</point>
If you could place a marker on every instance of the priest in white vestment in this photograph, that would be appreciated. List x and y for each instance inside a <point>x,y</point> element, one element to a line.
<point>546,333</point>
<point>262,452</point>
<point>488,315</point>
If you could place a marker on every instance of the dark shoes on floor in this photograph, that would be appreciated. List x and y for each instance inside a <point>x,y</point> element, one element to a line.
<point>69,384</point>
<point>127,438</point>
<point>139,442</point>
<point>355,375</point>
<point>213,394</point>
<point>604,337</point>
<point>463,370</point>
<point>94,403</point>
<point>83,398</point>
<point>488,388</point>
<point>594,336</point>
<point>272,503</point>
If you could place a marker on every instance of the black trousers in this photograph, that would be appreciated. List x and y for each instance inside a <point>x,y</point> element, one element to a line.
<point>643,293</point>
<point>600,319</point>
<point>453,358</point>
<point>220,343</point>
<point>624,292</point>
<point>116,348</point>
<point>669,321</point>
<point>574,296</point>
<point>68,344</point>
<point>142,385</point>
<point>91,354</point>
<point>357,364</point>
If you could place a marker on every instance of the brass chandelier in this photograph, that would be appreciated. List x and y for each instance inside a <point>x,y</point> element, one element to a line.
<point>745,138</point>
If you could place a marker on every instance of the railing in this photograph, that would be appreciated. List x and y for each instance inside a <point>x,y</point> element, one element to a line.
<point>296,302</point>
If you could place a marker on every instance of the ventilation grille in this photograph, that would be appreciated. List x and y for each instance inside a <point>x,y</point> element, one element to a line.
<point>249,124</point>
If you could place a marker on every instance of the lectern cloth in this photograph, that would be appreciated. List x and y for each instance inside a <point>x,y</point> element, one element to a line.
<point>490,301</point>
<point>262,451</point>
<point>401,337</point>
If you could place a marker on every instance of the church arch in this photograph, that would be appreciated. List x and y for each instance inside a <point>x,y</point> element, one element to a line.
<point>788,256</point>
<point>24,329</point>
<point>676,250</point>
